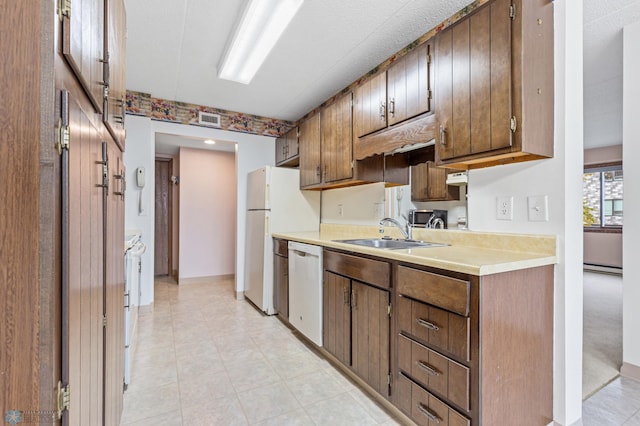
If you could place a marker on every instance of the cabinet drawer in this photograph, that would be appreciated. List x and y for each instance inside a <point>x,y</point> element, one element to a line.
<point>370,271</point>
<point>432,370</point>
<point>442,329</point>
<point>280,247</point>
<point>424,408</point>
<point>448,293</point>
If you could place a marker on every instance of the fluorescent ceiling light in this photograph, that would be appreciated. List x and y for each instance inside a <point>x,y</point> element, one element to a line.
<point>260,26</point>
<point>210,142</point>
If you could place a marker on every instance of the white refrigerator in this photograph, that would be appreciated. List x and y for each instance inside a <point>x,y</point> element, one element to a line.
<point>275,203</point>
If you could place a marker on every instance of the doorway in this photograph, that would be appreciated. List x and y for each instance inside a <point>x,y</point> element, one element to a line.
<point>163,231</point>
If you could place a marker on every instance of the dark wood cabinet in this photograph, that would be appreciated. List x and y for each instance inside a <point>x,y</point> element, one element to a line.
<point>281,278</point>
<point>461,342</point>
<point>494,80</point>
<point>287,149</point>
<point>370,104</point>
<point>114,70</point>
<point>429,183</point>
<point>409,85</point>
<point>356,316</point>
<point>310,158</point>
<point>336,131</point>
<point>83,45</point>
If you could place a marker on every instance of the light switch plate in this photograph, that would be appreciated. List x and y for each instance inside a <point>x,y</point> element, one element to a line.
<point>538,208</point>
<point>504,208</point>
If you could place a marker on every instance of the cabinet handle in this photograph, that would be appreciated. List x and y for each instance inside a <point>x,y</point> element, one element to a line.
<point>345,296</point>
<point>324,177</point>
<point>443,133</point>
<point>429,369</point>
<point>383,107</point>
<point>431,416</point>
<point>392,106</point>
<point>427,324</point>
<point>353,299</point>
<point>318,171</point>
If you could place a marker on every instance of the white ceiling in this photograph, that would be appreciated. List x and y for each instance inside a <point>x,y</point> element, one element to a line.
<point>174,46</point>
<point>171,144</point>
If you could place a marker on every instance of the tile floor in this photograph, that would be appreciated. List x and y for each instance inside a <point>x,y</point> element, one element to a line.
<point>203,358</point>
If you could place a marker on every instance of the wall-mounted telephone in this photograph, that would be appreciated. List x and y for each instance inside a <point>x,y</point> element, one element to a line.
<point>140,177</point>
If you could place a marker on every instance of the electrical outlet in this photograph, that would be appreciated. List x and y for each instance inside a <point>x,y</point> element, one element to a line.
<point>504,208</point>
<point>340,210</point>
<point>378,210</point>
<point>538,208</point>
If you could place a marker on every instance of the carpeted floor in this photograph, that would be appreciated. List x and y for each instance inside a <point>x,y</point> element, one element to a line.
<point>602,340</point>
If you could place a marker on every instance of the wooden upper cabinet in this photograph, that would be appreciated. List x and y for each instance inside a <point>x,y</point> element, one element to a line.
<point>287,149</point>
<point>429,183</point>
<point>114,70</point>
<point>83,46</point>
<point>494,85</point>
<point>409,85</point>
<point>337,140</point>
<point>370,104</point>
<point>309,145</point>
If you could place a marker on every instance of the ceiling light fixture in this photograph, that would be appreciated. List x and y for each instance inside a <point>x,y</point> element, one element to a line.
<point>210,142</point>
<point>261,24</point>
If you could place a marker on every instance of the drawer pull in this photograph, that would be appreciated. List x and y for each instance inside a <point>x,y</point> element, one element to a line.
<point>431,416</point>
<point>427,324</point>
<point>429,369</point>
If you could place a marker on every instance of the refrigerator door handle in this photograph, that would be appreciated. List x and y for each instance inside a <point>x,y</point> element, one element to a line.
<point>266,197</point>
<point>266,225</point>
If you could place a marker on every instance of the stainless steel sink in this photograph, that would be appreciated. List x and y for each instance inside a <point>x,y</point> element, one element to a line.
<point>388,243</point>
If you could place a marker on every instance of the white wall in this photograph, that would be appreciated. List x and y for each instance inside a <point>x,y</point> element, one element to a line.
<point>140,153</point>
<point>357,205</point>
<point>252,152</point>
<point>631,157</point>
<point>208,213</point>
<point>560,179</point>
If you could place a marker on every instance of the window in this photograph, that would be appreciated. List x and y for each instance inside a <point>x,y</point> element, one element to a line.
<point>603,197</point>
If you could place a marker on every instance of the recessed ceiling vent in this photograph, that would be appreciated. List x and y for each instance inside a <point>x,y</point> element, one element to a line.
<point>208,119</point>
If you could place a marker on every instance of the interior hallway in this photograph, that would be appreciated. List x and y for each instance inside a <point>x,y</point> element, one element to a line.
<point>204,358</point>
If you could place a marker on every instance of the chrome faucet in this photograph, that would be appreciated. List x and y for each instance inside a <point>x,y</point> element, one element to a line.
<point>406,231</point>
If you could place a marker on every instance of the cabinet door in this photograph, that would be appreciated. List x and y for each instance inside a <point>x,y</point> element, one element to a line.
<point>281,148</point>
<point>336,315</point>
<point>82,278</point>
<point>337,140</point>
<point>429,183</point>
<point>114,285</point>
<point>474,83</point>
<point>292,143</point>
<point>83,46</point>
<point>281,284</point>
<point>370,105</point>
<point>408,85</point>
<point>309,143</point>
<point>370,335</point>
<point>114,70</point>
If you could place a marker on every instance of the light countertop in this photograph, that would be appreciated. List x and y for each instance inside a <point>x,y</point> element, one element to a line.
<point>468,252</point>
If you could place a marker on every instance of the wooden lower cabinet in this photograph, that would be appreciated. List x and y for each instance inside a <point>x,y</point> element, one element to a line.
<point>474,350</point>
<point>281,277</point>
<point>356,318</point>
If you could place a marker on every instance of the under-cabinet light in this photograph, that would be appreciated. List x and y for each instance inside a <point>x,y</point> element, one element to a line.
<point>210,142</point>
<point>261,24</point>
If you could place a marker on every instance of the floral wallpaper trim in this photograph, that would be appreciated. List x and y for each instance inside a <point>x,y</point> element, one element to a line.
<point>144,104</point>
<point>389,61</point>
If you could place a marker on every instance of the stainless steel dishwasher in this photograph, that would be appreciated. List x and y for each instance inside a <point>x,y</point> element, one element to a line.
<point>305,290</point>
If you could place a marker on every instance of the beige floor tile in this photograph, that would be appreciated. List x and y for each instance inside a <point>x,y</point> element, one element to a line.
<point>219,411</point>
<point>339,410</point>
<point>173,418</point>
<point>150,402</point>
<point>289,367</point>
<point>252,374</point>
<point>314,387</point>
<point>266,402</point>
<point>294,418</point>
<point>196,390</point>
<point>378,413</point>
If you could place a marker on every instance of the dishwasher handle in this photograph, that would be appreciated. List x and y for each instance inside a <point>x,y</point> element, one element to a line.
<point>299,253</point>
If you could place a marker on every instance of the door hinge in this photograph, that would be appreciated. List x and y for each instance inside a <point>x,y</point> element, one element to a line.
<point>64,8</point>
<point>428,58</point>
<point>512,12</point>
<point>430,93</point>
<point>514,124</point>
<point>389,310</point>
<point>352,165</point>
<point>63,137</point>
<point>104,321</point>
<point>63,398</point>
<point>389,379</point>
